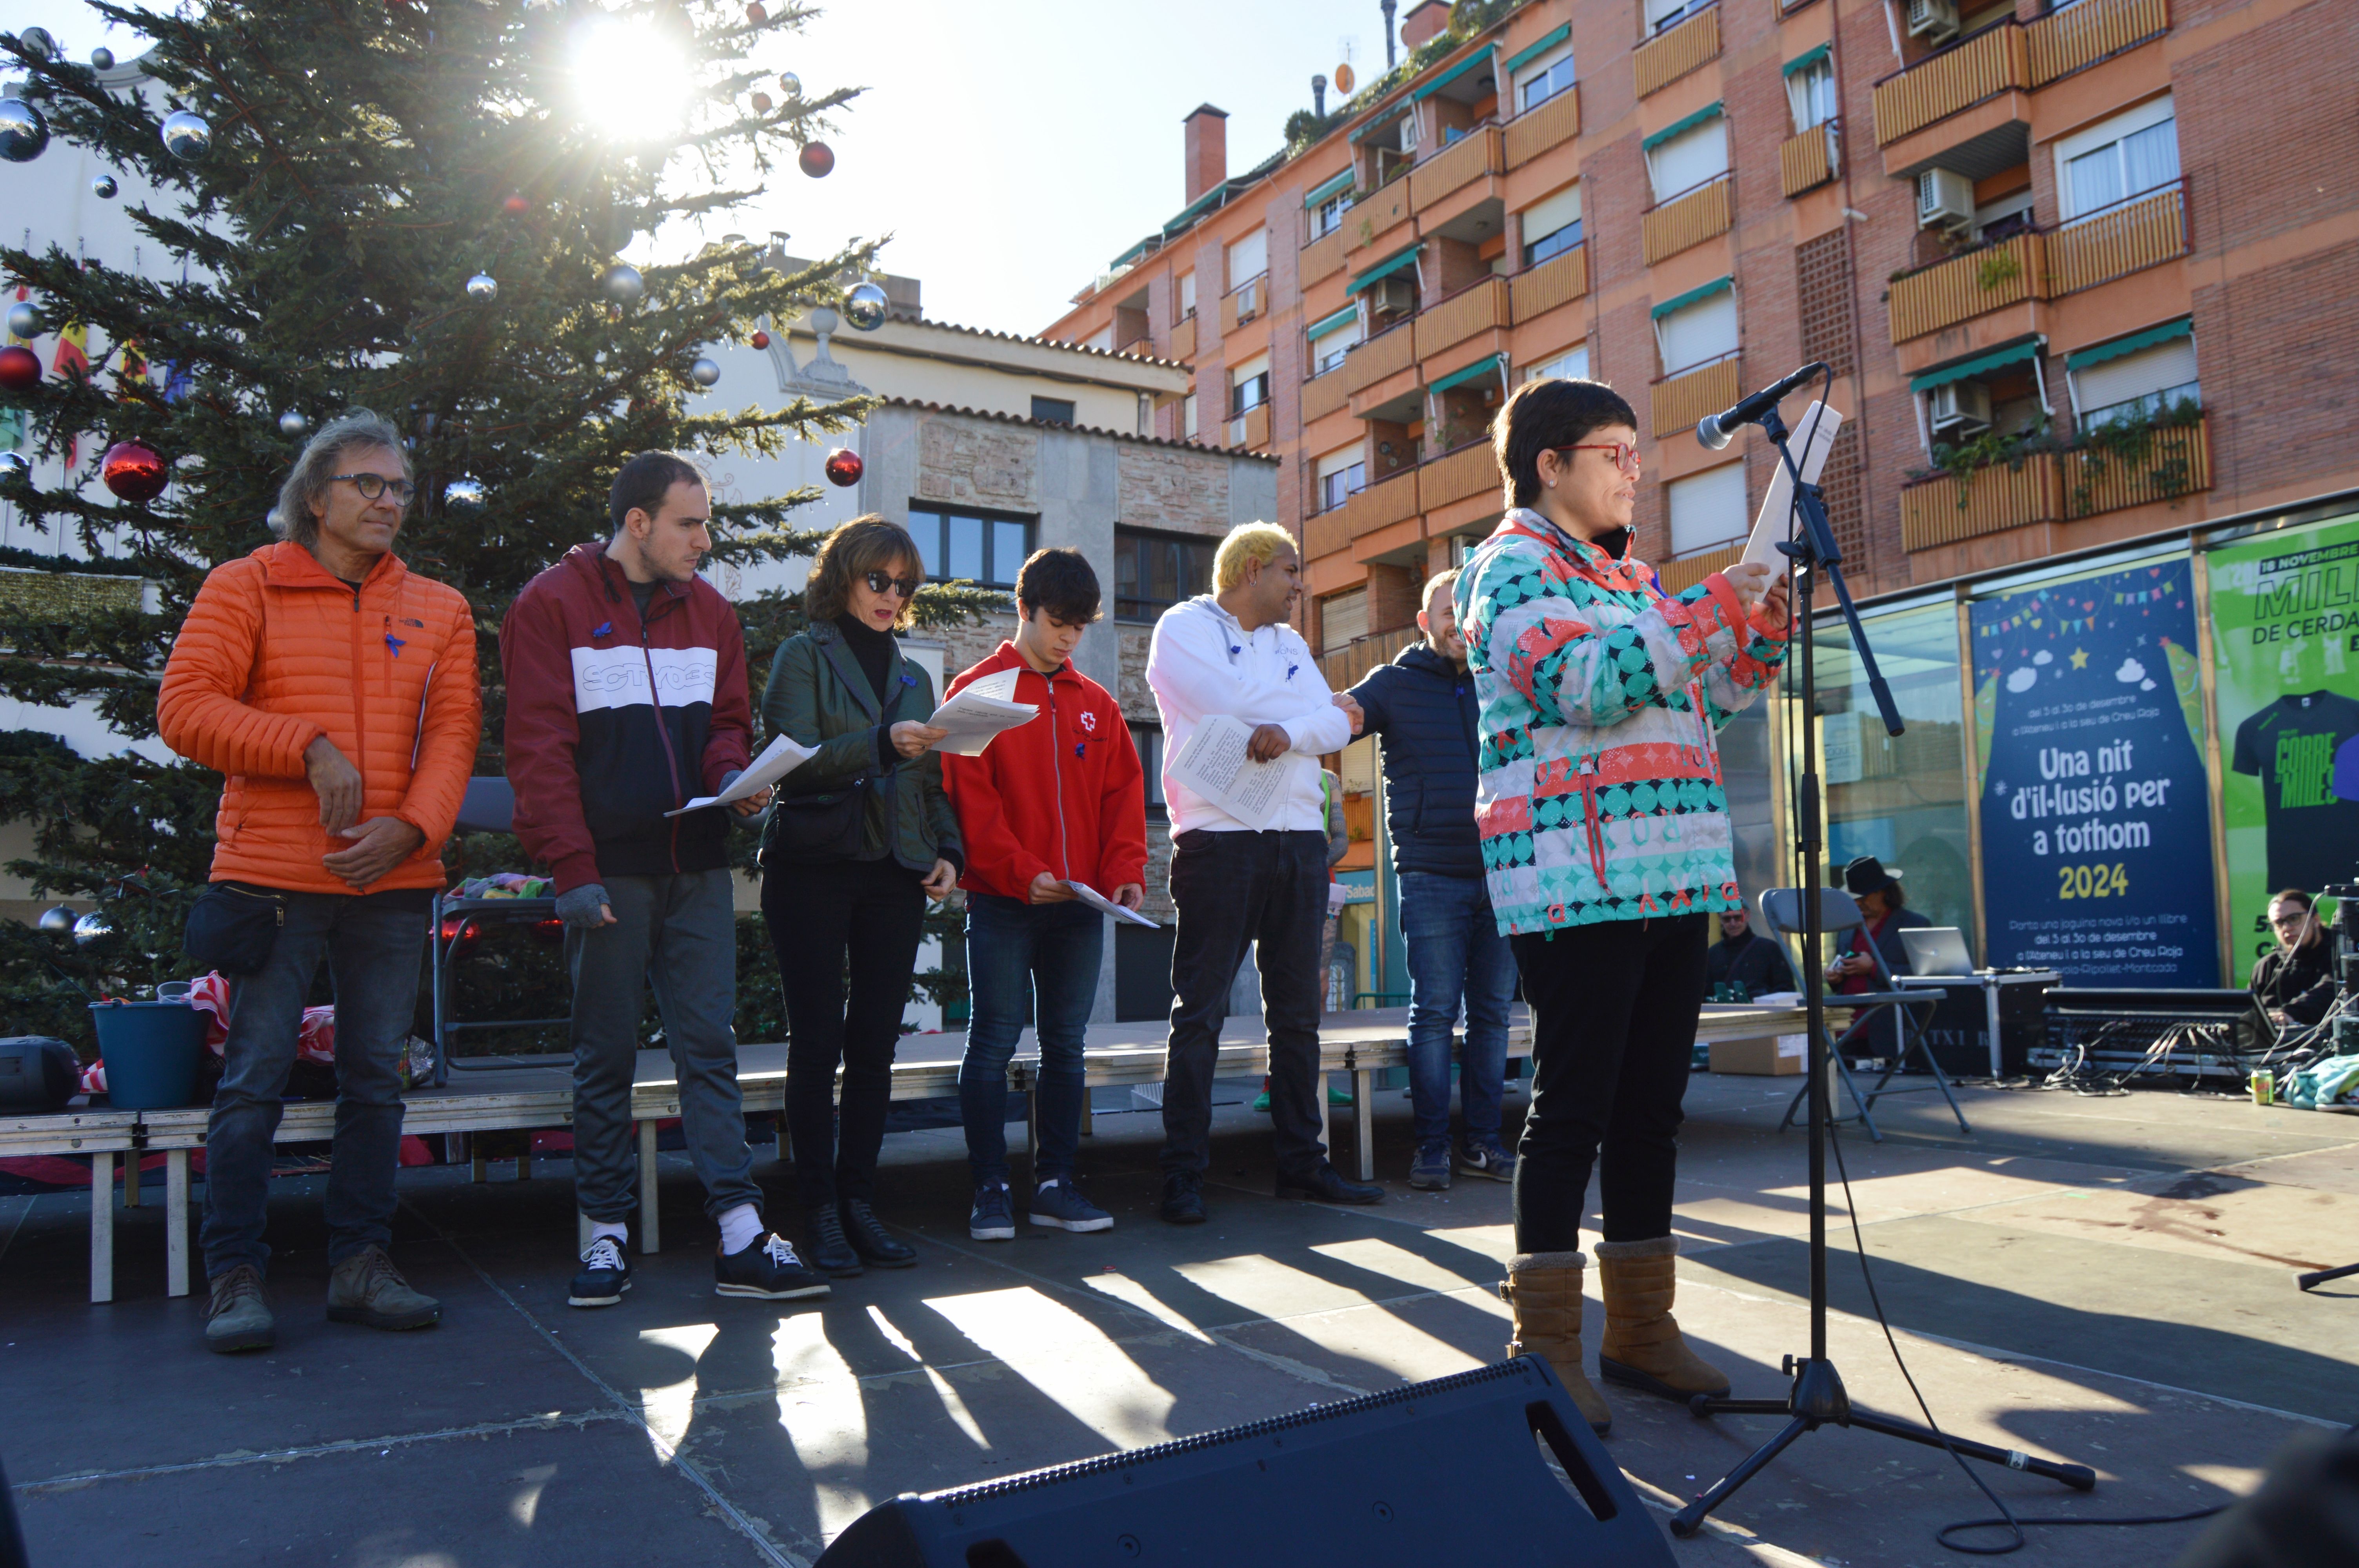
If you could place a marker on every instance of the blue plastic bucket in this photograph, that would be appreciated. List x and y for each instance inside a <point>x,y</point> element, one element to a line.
<point>151,1050</point>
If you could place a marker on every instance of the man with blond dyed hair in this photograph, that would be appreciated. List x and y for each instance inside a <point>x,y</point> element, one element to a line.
<point>1232,652</point>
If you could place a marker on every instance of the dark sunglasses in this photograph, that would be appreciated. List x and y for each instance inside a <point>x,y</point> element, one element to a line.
<point>884,583</point>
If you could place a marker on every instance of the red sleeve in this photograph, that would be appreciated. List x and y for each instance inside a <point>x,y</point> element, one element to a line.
<point>540,738</point>
<point>729,735</point>
<point>1122,809</point>
<point>996,860</point>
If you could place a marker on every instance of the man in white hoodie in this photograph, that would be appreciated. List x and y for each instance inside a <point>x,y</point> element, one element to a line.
<point>1231,651</point>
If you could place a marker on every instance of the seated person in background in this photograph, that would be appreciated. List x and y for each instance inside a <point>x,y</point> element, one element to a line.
<point>1881,901</point>
<point>2294,985</point>
<point>1744,956</point>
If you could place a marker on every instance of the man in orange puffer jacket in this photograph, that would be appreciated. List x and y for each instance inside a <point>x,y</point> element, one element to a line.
<point>336,691</point>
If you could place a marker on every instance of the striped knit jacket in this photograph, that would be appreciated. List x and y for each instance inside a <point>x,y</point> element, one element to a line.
<point>1599,795</point>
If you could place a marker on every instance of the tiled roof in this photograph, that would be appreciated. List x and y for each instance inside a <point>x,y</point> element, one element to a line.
<point>1047,343</point>
<point>924,407</point>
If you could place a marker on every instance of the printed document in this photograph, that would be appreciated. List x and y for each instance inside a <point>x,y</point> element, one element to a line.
<point>1814,432</point>
<point>1105,905</point>
<point>980,711</point>
<point>780,758</point>
<point>1215,765</point>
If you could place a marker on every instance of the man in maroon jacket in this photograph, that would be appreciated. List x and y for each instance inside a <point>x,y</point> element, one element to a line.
<point>1060,799</point>
<point>627,698</point>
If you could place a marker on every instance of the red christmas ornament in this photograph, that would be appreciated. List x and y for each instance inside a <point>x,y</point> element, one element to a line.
<point>761,104</point>
<point>756,14</point>
<point>760,339</point>
<point>134,473</point>
<point>515,206</point>
<point>20,368</point>
<point>844,466</point>
<point>818,160</point>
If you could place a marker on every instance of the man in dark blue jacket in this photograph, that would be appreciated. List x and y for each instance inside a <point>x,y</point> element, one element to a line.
<point>1422,706</point>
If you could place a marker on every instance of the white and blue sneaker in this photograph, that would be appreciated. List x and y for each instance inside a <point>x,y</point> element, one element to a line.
<point>992,1219</point>
<point>1487,1158</point>
<point>603,1278</point>
<point>1060,1206</point>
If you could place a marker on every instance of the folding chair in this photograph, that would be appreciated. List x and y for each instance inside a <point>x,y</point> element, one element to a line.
<point>489,807</point>
<point>1839,916</point>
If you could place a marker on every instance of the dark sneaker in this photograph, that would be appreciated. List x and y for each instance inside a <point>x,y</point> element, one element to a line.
<point>1487,1158</point>
<point>1059,1205</point>
<point>994,1218</point>
<point>1183,1199</point>
<point>604,1277</point>
<point>766,1268</point>
<point>1327,1184</point>
<point>831,1252</point>
<point>366,1289</point>
<point>875,1245</point>
<point>1429,1171</point>
<point>239,1317</point>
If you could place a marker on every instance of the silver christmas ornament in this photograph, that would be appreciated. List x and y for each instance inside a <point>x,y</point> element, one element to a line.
<point>791,85</point>
<point>23,132</point>
<point>90,927</point>
<point>25,320</point>
<point>483,288</point>
<point>103,187</point>
<point>465,493</point>
<point>864,306</point>
<point>14,466</point>
<point>101,58</point>
<point>57,919</point>
<point>704,372</point>
<point>622,283</point>
<point>187,136</point>
<point>270,520</point>
<point>293,423</point>
<point>37,41</point>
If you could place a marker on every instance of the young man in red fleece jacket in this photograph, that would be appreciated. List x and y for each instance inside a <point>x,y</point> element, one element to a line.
<point>1058,799</point>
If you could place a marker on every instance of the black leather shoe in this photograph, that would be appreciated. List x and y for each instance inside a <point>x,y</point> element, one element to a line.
<point>1183,1199</point>
<point>870,1239</point>
<point>825,1247</point>
<point>1326,1184</point>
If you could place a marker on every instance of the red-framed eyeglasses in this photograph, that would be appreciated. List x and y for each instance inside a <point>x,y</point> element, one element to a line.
<point>1625,456</point>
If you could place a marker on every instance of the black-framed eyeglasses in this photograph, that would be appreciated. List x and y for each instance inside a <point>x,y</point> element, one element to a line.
<point>372,485</point>
<point>886,582</point>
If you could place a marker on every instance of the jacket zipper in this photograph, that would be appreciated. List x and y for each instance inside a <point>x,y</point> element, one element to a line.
<point>1057,774</point>
<point>663,733</point>
<point>1589,811</point>
<point>360,718</point>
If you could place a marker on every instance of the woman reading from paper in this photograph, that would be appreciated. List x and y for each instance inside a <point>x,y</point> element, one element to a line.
<point>1606,843</point>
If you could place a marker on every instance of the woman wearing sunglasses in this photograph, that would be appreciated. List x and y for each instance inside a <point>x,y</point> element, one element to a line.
<point>1606,832</point>
<point>861,837</point>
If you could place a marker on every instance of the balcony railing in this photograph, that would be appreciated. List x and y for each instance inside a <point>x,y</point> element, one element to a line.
<point>1183,340</point>
<point>2170,462</point>
<point>2069,40</point>
<point>1467,470</point>
<point>1323,533</point>
<point>1251,428</point>
<point>1470,310</point>
<point>1809,160</point>
<point>1390,350</point>
<point>1556,281</point>
<point>1681,400</point>
<point>1374,218</point>
<point>1243,302</point>
<point>1664,58</point>
<point>1542,126</point>
<point>1687,220</point>
<point>1469,157</point>
<point>1141,344</point>
<point>1382,504</point>
<point>1679,576</point>
<point>1948,509</point>
<point>1346,664</point>
<point>1323,395</point>
<point>1964,286</point>
<point>1959,77</point>
<point>1322,257</point>
<point>2145,231</point>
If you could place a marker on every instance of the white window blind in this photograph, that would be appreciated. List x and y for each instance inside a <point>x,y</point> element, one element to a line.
<point>2132,152</point>
<point>2111,387</point>
<point>1343,618</point>
<point>1188,416</point>
<point>1249,258</point>
<point>1550,214</point>
<point>1339,460</point>
<point>1661,14</point>
<point>1707,509</point>
<point>1187,295</point>
<point>1690,158</point>
<point>1539,80</point>
<point>1695,333</point>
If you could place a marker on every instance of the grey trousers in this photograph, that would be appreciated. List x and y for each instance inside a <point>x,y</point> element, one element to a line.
<point>678,934</point>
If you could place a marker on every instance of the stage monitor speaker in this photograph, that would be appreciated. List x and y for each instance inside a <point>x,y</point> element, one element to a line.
<point>1416,1474</point>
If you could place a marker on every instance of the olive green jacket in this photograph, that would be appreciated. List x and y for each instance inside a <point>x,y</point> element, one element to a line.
<point>819,695</point>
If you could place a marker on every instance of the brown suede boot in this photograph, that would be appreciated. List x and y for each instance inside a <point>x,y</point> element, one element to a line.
<point>1643,1347</point>
<point>1543,1291</point>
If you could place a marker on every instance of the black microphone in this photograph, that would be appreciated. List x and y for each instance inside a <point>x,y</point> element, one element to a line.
<point>1715,430</point>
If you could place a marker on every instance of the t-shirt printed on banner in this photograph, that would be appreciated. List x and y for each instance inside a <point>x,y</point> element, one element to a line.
<point>2304,749</point>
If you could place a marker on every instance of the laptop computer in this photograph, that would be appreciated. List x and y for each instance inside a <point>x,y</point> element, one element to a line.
<point>1937,951</point>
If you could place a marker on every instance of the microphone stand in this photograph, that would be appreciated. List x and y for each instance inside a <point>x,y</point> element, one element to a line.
<point>1817,1397</point>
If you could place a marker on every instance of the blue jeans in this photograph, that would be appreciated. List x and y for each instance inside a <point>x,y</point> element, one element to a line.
<point>1027,963</point>
<point>1455,951</point>
<point>374,944</point>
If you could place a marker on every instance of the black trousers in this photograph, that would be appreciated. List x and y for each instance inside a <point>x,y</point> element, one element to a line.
<point>1236,889</point>
<point>862,919</point>
<point>1613,1025</point>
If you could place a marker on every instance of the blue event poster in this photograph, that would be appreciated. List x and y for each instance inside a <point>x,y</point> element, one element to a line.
<point>2096,821</point>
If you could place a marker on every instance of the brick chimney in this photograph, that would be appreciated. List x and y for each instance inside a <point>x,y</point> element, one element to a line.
<point>1425,22</point>
<point>1207,148</point>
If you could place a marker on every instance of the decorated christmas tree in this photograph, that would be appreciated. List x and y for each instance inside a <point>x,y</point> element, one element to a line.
<point>417,207</point>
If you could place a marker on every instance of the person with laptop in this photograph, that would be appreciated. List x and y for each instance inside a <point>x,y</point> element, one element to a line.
<point>1743,957</point>
<point>2293,983</point>
<point>1884,913</point>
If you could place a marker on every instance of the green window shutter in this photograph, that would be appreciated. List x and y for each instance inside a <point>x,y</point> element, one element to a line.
<point>1548,41</point>
<point>1680,302</point>
<point>2183,326</point>
<point>1980,364</point>
<point>1680,128</point>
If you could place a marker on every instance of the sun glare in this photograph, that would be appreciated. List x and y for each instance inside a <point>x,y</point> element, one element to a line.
<point>630,78</point>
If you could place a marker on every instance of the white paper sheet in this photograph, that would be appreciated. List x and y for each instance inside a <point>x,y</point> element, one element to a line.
<point>1105,905</point>
<point>780,758</point>
<point>1770,522</point>
<point>981,710</point>
<point>1215,765</point>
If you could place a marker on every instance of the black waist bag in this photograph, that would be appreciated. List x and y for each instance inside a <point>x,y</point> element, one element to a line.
<point>808,829</point>
<point>232,927</point>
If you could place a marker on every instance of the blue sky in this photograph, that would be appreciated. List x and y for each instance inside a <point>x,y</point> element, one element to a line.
<point>1012,148</point>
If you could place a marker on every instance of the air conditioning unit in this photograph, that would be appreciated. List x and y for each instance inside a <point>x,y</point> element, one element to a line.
<point>1934,19</point>
<point>1945,200</point>
<point>1961,408</point>
<point>1394,295</point>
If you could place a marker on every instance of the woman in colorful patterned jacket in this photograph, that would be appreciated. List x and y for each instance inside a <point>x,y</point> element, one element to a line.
<point>1606,847</point>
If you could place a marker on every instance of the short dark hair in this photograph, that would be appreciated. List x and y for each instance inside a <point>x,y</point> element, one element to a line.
<point>1061,582</point>
<point>2292,895</point>
<point>1541,415</point>
<point>644,482</point>
<point>865,545</point>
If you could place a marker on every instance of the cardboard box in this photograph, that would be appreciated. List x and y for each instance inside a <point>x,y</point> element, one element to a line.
<point>1776,1057</point>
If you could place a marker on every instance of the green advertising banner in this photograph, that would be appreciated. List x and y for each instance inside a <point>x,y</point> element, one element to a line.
<point>2285,621</point>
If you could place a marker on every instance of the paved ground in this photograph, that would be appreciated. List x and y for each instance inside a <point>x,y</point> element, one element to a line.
<point>2099,1280</point>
